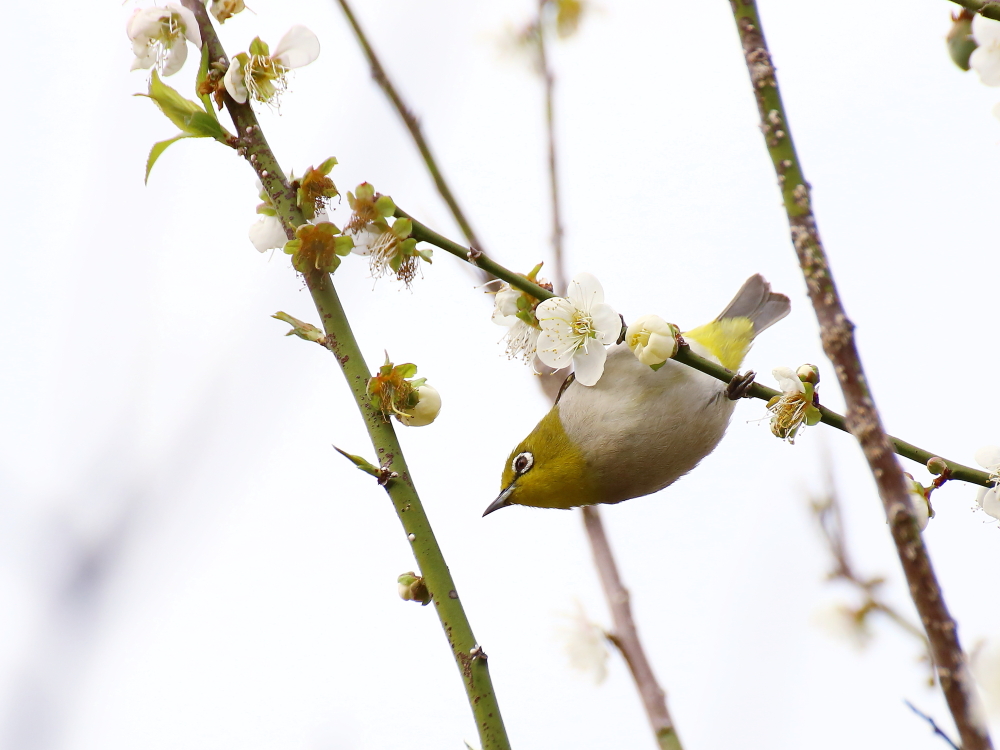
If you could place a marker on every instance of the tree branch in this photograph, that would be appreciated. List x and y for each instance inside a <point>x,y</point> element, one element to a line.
<point>988,8</point>
<point>422,233</point>
<point>626,637</point>
<point>469,657</point>
<point>862,417</point>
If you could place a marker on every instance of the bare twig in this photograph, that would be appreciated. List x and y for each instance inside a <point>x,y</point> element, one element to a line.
<point>828,515</point>
<point>549,79</point>
<point>937,730</point>
<point>862,417</point>
<point>624,635</point>
<point>413,126</point>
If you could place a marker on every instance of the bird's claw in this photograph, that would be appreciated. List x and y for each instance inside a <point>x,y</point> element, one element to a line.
<point>739,386</point>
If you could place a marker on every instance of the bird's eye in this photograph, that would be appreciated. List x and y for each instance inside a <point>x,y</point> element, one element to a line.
<point>522,462</point>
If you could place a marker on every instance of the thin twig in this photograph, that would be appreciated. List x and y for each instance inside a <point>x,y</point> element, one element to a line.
<point>413,126</point>
<point>625,637</point>
<point>862,417</point>
<point>831,523</point>
<point>937,730</point>
<point>424,234</point>
<point>549,80</point>
<point>340,341</point>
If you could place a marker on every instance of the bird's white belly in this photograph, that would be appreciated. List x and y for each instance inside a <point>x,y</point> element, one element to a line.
<point>640,430</point>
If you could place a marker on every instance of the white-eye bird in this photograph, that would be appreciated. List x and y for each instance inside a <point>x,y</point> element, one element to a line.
<point>638,429</point>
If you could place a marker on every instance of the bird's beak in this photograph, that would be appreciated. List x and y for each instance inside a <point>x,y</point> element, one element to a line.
<point>502,501</point>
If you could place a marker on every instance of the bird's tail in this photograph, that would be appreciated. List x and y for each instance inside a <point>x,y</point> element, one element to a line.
<point>728,338</point>
<point>756,301</point>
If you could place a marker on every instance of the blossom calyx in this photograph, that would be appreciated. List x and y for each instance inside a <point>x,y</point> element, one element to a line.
<point>318,247</point>
<point>412,402</point>
<point>413,589</point>
<point>652,339</point>
<point>367,206</point>
<point>315,189</point>
<point>390,248</point>
<point>960,42</point>
<point>515,309</point>
<point>223,10</point>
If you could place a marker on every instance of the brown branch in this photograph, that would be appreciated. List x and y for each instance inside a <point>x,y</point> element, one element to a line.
<point>624,635</point>
<point>863,420</point>
<point>549,79</point>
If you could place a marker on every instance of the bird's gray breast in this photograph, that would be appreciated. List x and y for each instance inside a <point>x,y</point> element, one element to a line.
<point>640,430</point>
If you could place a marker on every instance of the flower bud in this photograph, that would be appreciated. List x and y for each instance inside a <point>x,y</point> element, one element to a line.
<point>937,465</point>
<point>427,408</point>
<point>413,589</point>
<point>652,339</point>
<point>808,374</point>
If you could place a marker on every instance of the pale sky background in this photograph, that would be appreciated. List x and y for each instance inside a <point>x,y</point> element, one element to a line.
<point>186,563</point>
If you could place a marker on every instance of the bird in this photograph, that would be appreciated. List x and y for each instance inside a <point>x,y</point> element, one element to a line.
<point>638,430</point>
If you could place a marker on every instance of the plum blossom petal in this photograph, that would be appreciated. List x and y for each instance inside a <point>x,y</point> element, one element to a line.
<point>985,31</point>
<point>989,498</point>
<point>788,380</point>
<point>267,233</point>
<point>234,82</point>
<point>985,59</point>
<point>298,47</point>
<point>576,328</point>
<point>588,364</point>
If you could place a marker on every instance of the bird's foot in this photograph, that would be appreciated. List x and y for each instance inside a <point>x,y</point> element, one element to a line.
<point>739,386</point>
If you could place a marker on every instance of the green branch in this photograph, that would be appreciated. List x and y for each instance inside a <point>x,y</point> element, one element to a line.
<point>863,420</point>
<point>685,355</point>
<point>340,340</point>
<point>988,8</point>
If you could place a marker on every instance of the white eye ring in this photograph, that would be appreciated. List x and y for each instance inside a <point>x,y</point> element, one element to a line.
<point>522,462</point>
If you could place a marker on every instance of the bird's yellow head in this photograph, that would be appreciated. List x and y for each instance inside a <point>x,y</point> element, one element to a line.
<point>546,471</point>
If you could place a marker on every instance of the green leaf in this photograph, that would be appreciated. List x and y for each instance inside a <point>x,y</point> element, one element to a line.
<point>184,113</point>
<point>327,166</point>
<point>157,150</point>
<point>361,463</point>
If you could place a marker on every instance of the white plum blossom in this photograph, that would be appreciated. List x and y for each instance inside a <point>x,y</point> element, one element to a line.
<point>985,59</point>
<point>521,337</point>
<point>989,499</point>
<point>267,233</point>
<point>652,339</point>
<point>794,407</point>
<point>585,644</point>
<point>160,35</point>
<point>575,329</point>
<point>261,74</point>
